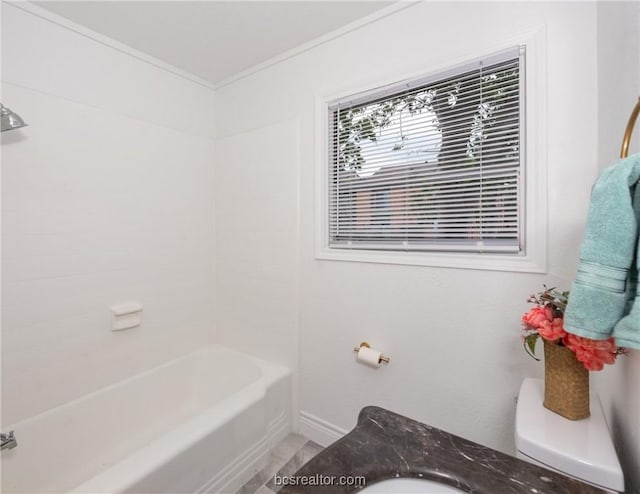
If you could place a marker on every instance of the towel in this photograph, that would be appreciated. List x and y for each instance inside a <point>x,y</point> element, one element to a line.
<point>603,300</point>
<point>627,331</point>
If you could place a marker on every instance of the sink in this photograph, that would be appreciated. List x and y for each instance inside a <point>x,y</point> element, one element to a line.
<point>405,485</point>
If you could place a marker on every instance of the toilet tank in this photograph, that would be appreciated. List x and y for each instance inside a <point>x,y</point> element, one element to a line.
<point>582,449</point>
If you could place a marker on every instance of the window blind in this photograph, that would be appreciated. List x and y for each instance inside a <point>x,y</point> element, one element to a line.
<point>430,164</point>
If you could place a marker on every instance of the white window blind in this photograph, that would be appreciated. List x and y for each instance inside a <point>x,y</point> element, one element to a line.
<point>431,164</point>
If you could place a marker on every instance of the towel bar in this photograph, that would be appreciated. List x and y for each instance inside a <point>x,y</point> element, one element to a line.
<point>624,151</point>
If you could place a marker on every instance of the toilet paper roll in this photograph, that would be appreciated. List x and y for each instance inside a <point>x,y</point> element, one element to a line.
<point>369,356</point>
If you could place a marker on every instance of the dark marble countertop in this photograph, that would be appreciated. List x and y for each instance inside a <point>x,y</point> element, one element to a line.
<point>385,445</point>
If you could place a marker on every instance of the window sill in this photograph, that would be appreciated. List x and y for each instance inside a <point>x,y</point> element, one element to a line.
<point>492,262</point>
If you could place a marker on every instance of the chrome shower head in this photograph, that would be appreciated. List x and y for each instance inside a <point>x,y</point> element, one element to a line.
<point>10,120</point>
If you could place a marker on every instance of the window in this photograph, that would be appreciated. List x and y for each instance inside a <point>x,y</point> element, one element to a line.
<point>432,164</point>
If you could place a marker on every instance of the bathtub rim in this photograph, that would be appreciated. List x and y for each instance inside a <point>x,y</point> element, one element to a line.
<point>268,369</point>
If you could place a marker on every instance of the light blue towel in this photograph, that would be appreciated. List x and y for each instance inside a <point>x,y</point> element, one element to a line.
<point>627,330</point>
<point>603,294</point>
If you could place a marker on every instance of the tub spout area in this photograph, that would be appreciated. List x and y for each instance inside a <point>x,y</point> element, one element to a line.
<point>7,440</point>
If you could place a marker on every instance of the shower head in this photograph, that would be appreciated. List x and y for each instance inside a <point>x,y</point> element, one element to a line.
<point>10,120</point>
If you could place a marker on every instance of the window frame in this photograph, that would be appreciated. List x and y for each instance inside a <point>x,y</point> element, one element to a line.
<point>533,207</point>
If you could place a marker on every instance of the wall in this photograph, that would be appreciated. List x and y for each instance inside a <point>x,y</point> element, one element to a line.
<point>106,198</point>
<point>256,198</point>
<point>453,334</point>
<point>618,91</point>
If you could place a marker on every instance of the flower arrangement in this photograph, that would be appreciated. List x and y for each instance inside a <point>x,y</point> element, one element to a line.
<point>546,320</point>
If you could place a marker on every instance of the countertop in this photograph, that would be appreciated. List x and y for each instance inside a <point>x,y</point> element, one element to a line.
<point>385,445</point>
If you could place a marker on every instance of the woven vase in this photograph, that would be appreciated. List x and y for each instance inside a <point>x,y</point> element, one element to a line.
<point>566,383</point>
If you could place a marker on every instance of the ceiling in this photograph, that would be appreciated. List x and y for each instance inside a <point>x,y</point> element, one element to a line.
<point>213,40</point>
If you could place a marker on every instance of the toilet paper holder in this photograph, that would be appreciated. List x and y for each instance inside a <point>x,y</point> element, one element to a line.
<point>383,358</point>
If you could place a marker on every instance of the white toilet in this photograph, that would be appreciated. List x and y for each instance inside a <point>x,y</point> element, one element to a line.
<point>581,449</point>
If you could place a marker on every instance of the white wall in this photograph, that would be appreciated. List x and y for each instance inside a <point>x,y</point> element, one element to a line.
<point>453,335</point>
<point>618,76</point>
<point>257,242</point>
<point>618,91</point>
<point>106,198</point>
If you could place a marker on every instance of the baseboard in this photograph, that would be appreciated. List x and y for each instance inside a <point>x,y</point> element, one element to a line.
<point>319,430</point>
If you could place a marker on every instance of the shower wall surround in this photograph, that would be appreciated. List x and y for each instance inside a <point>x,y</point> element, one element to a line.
<point>106,199</point>
<point>257,242</point>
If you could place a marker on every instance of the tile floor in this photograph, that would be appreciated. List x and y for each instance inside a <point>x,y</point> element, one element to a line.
<point>287,457</point>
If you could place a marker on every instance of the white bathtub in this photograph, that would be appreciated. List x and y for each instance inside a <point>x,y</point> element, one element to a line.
<point>200,423</point>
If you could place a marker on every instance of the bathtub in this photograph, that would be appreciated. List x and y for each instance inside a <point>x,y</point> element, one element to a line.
<point>202,423</point>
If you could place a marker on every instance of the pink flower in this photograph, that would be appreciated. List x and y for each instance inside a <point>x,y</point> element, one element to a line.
<point>552,330</point>
<point>546,320</point>
<point>537,316</point>
<point>592,353</point>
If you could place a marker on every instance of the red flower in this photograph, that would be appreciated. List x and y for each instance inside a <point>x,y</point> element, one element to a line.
<point>592,353</point>
<point>552,330</point>
<point>537,316</point>
<point>546,321</point>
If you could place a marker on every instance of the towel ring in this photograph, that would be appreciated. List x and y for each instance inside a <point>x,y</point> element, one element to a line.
<point>624,151</point>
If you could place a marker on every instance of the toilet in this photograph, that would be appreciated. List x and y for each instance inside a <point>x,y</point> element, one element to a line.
<point>581,449</point>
